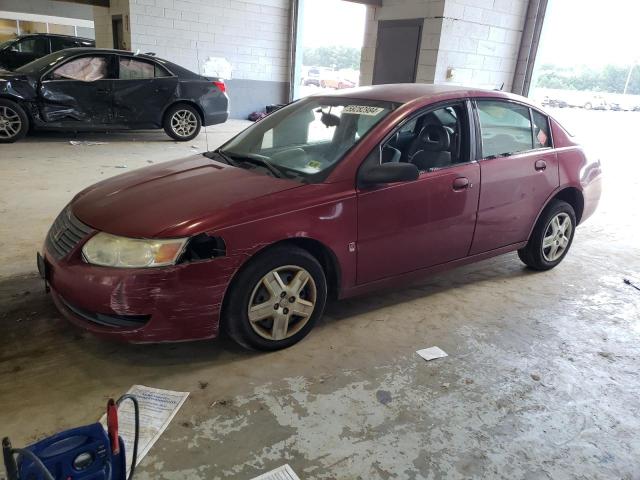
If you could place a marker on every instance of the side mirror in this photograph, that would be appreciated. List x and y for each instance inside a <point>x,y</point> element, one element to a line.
<point>388,173</point>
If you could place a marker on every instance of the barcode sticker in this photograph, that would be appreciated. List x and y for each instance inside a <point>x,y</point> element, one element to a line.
<point>362,110</point>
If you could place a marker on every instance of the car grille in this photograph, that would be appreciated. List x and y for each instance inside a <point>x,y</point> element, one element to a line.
<point>65,233</point>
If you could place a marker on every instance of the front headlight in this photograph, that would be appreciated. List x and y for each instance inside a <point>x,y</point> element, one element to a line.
<point>113,251</point>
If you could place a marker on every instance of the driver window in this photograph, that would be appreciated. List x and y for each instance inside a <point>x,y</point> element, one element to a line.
<point>436,139</point>
<point>86,69</point>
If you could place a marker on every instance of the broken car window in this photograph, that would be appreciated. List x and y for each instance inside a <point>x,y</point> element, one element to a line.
<point>86,69</point>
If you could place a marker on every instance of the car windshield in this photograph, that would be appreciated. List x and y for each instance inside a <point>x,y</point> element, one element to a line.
<point>305,139</point>
<point>41,63</point>
<point>4,45</point>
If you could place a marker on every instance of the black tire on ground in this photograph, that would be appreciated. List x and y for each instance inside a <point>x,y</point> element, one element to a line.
<point>182,122</point>
<point>533,254</point>
<point>14,121</point>
<point>235,318</point>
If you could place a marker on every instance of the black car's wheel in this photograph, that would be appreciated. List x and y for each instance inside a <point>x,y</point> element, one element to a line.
<point>276,300</point>
<point>182,122</point>
<point>14,122</point>
<point>551,237</point>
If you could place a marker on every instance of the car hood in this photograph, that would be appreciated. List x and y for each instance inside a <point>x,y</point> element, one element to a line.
<point>173,199</point>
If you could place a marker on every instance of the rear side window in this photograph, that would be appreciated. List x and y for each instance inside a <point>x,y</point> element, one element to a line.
<point>541,135</point>
<point>58,43</point>
<point>133,69</point>
<point>505,128</point>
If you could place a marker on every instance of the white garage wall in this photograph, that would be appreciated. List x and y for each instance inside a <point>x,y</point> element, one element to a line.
<point>253,35</point>
<point>478,39</point>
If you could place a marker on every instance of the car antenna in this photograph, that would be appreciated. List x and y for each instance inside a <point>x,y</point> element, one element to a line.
<point>501,87</point>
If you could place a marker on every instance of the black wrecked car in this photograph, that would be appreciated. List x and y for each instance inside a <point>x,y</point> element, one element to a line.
<point>26,48</point>
<point>83,89</point>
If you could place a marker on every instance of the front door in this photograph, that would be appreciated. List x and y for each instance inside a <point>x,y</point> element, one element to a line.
<point>141,92</point>
<point>78,92</point>
<point>397,50</point>
<point>519,172</point>
<point>408,226</point>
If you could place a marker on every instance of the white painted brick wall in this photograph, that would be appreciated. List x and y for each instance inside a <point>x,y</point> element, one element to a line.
<point>253,35</point>
<point>479,39</point>
<point>480,42</point>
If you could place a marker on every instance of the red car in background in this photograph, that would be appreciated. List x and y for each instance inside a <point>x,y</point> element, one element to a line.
<point>331,196</point>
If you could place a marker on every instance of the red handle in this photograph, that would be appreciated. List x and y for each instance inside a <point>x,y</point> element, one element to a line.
<point>112,426</point>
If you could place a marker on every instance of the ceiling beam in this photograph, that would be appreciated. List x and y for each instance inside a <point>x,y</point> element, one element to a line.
<point>376,3</point>
<point>95,3</point>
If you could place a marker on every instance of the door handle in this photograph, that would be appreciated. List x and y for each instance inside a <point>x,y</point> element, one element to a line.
<point>461,183</point>
<point>541,165</point>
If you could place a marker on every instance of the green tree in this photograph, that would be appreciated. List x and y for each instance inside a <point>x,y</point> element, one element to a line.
<point>610,78</point>
<point>337,57</point>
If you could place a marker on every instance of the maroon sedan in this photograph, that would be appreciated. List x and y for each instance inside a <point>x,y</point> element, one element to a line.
<point>331,196</point>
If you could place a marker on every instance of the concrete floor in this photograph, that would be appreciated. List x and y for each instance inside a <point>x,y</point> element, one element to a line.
<point>541,381</point>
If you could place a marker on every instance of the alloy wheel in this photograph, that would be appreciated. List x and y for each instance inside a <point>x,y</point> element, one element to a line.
<point>282,302</point>
<point>10,123</point>
<point>184,123</point>
<point>557,237</point>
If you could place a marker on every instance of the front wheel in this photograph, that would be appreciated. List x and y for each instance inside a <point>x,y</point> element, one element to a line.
<point>14,122</point>
<point>276,300</point>
<point>551,238</point>
<point>182,122</point>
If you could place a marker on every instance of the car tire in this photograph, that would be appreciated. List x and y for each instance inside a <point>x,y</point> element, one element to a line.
<point>267,330</point>
<point>551,238</point>
<point>588,106</point>
<point>182,122</point>
<point>14,121</point>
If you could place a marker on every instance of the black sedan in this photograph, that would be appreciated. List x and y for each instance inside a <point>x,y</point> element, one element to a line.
<point>26,48</point>
<point>83,89</point>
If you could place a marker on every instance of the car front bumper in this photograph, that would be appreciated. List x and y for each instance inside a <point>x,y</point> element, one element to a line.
<point>146,305</point>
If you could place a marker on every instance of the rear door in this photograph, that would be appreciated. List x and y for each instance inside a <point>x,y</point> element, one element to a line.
<point>519,170</point>
<point>142,91</point>
<point>78,92</point>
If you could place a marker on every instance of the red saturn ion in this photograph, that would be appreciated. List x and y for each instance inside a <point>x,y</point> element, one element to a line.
<point>331,196</point>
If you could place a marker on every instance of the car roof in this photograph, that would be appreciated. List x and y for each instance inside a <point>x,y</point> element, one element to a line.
<point>60,35</point>
<point>407,92</point>
<point>76,50</point>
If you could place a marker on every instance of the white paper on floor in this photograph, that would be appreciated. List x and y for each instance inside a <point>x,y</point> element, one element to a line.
<point>157,409</point>
<point>431,353</point>
<point>284,472</point>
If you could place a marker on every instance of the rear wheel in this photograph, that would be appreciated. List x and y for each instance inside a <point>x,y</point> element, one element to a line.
<point>276,300</point>
<point>182,122</point>
<point>551,237</point>
<point>14,122</point>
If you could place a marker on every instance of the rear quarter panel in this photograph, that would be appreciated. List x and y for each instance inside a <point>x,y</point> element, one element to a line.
<point>577,170</point>
<point>213,103</point>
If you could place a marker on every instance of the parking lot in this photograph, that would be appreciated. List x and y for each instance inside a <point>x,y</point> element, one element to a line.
<point>541,375</point>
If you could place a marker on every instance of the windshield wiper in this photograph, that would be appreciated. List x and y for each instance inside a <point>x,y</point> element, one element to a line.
<point>224,157</point>
<point>255,160</point>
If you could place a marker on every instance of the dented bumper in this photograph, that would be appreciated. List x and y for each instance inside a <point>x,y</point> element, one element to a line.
<point>172,304</point>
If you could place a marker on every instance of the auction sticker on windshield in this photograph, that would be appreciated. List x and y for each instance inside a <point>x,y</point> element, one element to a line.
<point>362,110</point>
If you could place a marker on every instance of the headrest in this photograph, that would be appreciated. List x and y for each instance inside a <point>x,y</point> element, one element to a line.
<point>435,138</point>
